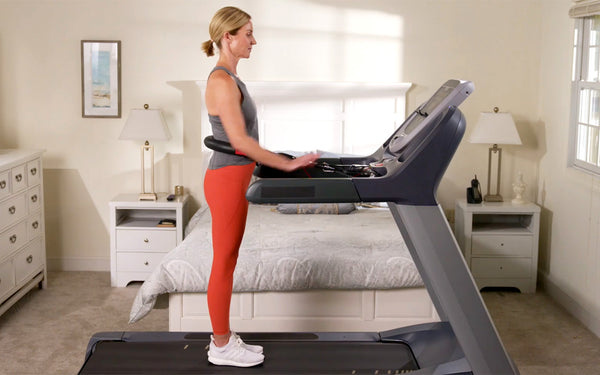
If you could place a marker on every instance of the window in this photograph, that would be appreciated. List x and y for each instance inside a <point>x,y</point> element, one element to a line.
<point>584,146</point>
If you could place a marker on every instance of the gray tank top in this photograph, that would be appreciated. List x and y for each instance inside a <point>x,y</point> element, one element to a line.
<point>219,159</point>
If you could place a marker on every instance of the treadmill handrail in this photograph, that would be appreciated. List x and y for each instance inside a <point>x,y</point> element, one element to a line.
<point>221,146</point>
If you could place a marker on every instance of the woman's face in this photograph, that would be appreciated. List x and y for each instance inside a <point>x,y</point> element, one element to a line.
<point>242,42</point>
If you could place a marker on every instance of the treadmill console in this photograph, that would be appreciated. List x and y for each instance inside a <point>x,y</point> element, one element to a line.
<point>407,167</point>
<point>452,93</point>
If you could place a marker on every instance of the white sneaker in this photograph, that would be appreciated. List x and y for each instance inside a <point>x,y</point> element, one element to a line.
<point>233,354</point>
<point>252,348</point>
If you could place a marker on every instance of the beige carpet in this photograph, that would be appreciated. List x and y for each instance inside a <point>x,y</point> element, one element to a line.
<point>47,332</point>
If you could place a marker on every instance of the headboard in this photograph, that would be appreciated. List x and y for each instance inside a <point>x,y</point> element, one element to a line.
<point>340,117</point>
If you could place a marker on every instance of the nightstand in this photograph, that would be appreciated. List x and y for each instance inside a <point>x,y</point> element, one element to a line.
<point>138,241</point>
<point>499,241</point>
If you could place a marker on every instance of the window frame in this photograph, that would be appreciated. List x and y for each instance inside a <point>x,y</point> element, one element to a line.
<point>581,48</point>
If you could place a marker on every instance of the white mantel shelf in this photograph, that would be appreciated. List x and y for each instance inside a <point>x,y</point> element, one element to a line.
<point>291,89</point>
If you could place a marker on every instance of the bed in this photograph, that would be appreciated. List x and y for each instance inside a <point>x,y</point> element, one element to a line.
<point>316,269</point>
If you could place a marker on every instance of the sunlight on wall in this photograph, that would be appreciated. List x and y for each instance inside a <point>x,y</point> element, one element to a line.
<point>372,40</point>
<point>339,44</point>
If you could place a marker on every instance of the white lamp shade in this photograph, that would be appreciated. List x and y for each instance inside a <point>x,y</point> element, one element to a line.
<point>145,124</point>
<point>495,128</point>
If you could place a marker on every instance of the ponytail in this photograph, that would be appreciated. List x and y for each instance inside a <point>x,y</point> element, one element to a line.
<point>208,48</point>
<point>226,20</point>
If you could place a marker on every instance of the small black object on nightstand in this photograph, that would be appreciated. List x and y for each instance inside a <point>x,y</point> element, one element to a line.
<point>171,197</point>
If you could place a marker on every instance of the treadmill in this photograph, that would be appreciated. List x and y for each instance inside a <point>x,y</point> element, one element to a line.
<point>404,172</point>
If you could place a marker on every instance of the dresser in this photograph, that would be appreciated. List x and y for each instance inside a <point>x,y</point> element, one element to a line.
<point>499,241</point>
<point>22,238</point>
<point>142,233</point>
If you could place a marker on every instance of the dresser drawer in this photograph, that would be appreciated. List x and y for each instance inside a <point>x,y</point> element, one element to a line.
<point>12,239</point>
<point>7,277</point>
<point>34,226</point>
<point>34,199</point>
<point>12,210</point>
<point>501,245</point>
<point>4,184</point>
<point>28,261</point>
<point>150,240</point>
<point>34,172</point>
<point>18,177</point>
<point>138,261</point>
<point>501,267</point>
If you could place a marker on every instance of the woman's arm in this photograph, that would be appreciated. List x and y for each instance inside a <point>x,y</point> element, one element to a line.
<point>223,99</point>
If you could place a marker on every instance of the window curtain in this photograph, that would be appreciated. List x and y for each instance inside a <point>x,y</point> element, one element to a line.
<point>585,8</point>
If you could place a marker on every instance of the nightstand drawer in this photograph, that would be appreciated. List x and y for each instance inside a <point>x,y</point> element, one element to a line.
<point>501,245</point>
<point>138,261</point>
<point>29,261</point>
<point>152,240</point>
<point>501,267</point>
<point>7,277</point>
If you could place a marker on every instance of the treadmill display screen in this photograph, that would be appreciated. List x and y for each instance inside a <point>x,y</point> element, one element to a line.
<point>412,123</point>
<point>437,98</point>
<point>445,96</point>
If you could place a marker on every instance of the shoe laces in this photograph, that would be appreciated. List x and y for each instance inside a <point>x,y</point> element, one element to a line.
<point>239,345</point>
<point>239,348</point>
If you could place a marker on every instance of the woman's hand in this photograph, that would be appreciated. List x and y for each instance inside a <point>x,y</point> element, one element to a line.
<point>300,162</point>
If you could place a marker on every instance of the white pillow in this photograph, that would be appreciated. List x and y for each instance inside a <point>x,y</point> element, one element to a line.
<point>316,208</point>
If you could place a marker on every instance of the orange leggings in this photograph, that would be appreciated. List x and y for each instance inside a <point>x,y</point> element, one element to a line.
<point>225,192</point>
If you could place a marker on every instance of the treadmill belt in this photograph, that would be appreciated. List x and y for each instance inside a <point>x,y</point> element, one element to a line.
<point>185,357</point>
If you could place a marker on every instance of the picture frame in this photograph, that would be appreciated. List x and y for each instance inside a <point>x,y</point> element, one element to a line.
<point>101,78</point>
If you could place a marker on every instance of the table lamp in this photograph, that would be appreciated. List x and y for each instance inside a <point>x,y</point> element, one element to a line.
<point>146,125</point>
<point>495,128</point>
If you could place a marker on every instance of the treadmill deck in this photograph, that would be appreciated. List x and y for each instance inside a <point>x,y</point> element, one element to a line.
<point>282,355</point>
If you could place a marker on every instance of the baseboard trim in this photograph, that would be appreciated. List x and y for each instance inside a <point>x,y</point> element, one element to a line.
<point>78,264</point>
<point>587,315</point>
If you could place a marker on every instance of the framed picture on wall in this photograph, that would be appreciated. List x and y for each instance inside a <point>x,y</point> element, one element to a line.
<point>101,78</point>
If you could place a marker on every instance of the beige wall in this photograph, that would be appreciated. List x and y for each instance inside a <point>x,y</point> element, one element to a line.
<point>570,199</point>
<point>517,52</point>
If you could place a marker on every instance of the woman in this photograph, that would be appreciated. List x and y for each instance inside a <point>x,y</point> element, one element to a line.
<point>232,114</point>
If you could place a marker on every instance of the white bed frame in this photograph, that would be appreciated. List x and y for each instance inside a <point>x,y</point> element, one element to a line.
<point>308,311</point>
<point>338,112</point>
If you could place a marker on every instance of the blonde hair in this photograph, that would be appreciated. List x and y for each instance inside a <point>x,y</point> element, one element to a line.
<point>226,20</point>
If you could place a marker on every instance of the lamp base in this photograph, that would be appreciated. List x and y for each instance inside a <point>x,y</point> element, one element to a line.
<point>493,198</point>
<point>147,196</point>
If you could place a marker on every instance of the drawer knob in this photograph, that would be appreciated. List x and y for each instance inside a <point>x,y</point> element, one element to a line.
<point>33,171</point>
<point>29,259</point>
<point>19,177</point>
<point>12,210</point>
<point>13,238</point>
<point>35,224</point>
<point>146,240</point>
<point>2,184</point>
<point>146,263</point>
<point>34,198</point>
